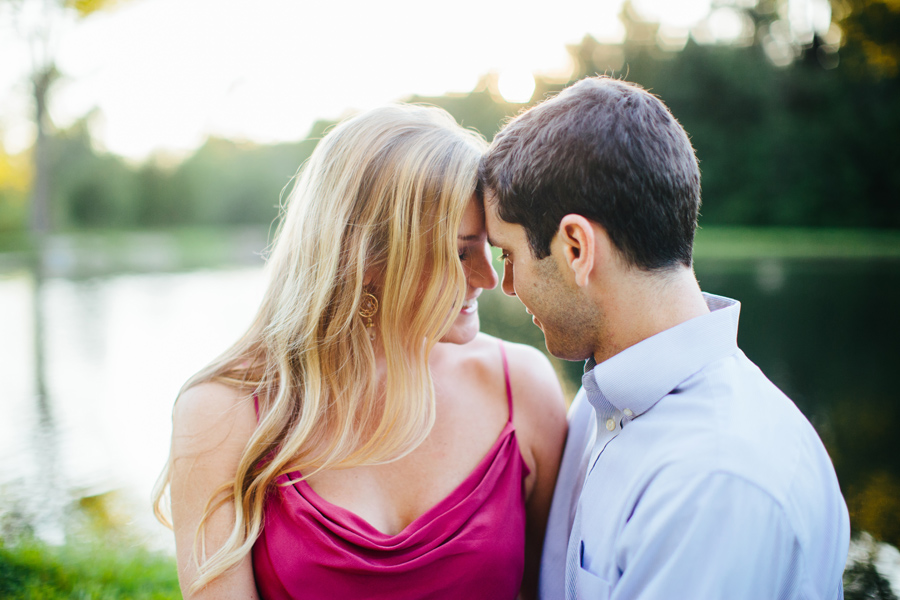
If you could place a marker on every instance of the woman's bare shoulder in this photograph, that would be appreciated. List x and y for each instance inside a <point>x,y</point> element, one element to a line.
<point>209,414</point>
<point>540,414</point>
<point>536,390</point>
<point>534,381</point>
<point>537,395</point>
<point>535,386</point>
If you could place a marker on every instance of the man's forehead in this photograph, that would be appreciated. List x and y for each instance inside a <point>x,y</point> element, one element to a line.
<point>499,232</point>
<point>492,221</point>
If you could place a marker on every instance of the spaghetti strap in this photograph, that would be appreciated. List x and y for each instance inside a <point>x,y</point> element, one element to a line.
<point>509,397</point>
<point>308,546</point>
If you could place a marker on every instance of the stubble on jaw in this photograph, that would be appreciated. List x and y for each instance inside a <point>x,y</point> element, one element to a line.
<point>571,323</point>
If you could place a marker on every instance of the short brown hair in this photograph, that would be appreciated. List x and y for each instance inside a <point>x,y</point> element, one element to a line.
<point>607,150</point>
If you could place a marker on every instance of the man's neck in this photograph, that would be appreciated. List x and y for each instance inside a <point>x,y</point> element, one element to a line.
<point>640,305</point>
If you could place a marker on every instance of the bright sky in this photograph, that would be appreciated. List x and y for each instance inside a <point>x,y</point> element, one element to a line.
<point>165,74</point>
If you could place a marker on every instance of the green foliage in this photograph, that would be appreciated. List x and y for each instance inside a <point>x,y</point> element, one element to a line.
<point>862,580</point>
<point>230,183</point>
<point>223,183</point>
<point>101,559</point>
<point>479,110</point>
<point>96,570</point>
<point>801,146</point>
<point>89,189</point>
<point>13,210</point>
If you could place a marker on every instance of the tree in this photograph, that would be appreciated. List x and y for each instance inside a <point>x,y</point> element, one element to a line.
<point>40,23</point>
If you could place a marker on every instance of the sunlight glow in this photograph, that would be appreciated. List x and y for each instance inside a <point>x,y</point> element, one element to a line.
<point>266,75</point>
<point>672,39</point>
<point>682,14</point>
<point>730,26</point>
<point>151,95</point>
<point>777,44</point>
<point>603,22</point>
<point>516,87</point>
<point>807,18</point>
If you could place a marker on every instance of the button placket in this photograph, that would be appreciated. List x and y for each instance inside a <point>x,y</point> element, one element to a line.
<point>606,432</point>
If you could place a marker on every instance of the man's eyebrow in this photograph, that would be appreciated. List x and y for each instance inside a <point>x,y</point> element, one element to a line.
<point>492,242</point>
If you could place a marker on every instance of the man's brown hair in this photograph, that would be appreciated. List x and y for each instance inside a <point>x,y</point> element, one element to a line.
<point>609,151</point>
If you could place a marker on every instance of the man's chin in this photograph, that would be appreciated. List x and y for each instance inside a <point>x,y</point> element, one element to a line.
<point>565,351</point>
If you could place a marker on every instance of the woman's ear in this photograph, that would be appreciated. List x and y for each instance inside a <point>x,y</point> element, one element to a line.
<point>579,244</point>
<point>372,276</point>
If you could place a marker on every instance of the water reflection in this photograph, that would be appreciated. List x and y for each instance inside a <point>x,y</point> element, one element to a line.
<point>827,335</point>
<point>117,350</point>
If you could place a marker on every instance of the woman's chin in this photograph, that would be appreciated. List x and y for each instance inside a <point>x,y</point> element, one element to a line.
<point>463,330</point>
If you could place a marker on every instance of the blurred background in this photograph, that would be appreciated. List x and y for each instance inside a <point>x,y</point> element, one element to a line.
<point>145,146</point>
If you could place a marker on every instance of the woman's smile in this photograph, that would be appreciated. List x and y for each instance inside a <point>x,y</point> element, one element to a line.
<point>470,306</point>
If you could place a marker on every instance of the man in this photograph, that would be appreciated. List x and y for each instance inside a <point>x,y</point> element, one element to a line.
<point>687,473</point>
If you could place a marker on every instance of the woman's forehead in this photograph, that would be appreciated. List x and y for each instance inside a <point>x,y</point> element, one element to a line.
<point>473,220</point>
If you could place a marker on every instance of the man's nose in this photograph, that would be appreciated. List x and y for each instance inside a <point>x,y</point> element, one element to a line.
<point>508,286</point>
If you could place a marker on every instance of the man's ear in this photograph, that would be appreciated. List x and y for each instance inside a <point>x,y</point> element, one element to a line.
<point>579,243</point>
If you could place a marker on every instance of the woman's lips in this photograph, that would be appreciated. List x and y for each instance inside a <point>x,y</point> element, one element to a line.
<point>469,307</point>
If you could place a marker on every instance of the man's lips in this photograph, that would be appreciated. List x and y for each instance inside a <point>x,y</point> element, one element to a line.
<point>534,319</point>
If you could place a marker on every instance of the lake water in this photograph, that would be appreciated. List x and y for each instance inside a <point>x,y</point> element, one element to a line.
<point>117,348</point>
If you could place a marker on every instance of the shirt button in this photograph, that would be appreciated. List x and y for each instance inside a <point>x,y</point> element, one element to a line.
<point>610,424</point>
<point>628,412</point>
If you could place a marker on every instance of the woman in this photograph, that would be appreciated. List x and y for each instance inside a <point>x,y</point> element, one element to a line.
<point>362,439</point>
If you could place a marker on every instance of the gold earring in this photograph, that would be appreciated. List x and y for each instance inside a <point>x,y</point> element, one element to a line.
<point>368,308</point>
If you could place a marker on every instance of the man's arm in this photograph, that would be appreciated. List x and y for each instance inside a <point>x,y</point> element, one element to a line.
<point>712,536</point>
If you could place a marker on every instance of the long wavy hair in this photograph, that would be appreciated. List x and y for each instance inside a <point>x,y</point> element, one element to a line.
<point>382,195</point>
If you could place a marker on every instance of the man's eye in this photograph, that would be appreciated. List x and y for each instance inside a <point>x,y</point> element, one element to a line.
<point>504,256</point>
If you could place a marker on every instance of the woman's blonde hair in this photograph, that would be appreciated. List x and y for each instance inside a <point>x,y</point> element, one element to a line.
<point>381,198</point>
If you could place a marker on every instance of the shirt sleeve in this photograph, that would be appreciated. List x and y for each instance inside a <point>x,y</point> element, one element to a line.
<point>713,536</point>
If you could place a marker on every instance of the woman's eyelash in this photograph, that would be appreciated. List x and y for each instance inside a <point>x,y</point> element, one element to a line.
<point>503,256</point>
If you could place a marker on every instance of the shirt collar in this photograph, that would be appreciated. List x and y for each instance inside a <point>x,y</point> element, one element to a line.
<point>639,376</point>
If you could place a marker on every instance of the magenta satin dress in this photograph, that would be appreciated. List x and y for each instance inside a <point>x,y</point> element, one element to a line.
<point>470,545</point>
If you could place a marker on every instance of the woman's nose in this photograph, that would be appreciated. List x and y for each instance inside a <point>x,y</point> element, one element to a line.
<point>482,274</point>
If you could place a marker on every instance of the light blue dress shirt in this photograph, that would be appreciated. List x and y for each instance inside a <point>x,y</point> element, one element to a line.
<point>688,474</point>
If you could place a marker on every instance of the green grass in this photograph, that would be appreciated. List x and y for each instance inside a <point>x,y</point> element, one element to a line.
<point>743,243</point>
<point>97,571</point>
